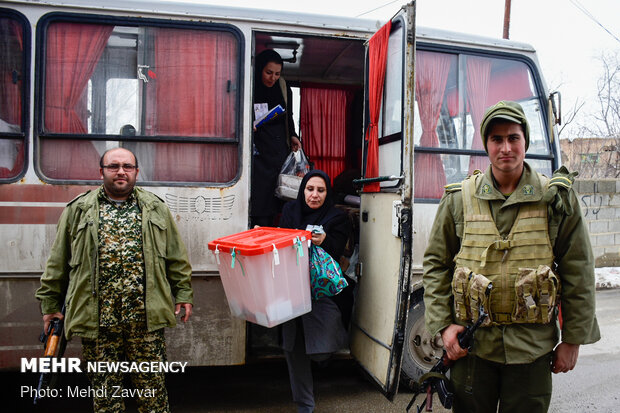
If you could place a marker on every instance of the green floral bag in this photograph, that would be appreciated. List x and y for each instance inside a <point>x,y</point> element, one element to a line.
<point>326,279</point>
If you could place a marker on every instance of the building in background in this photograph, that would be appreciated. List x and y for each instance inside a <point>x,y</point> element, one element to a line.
<point>592,157</point>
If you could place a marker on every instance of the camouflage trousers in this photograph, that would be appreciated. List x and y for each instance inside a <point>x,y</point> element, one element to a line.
<point>133,343</point>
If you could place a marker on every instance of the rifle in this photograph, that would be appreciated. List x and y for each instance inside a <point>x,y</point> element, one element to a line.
<point>435,381</point>
<point>54,343</point>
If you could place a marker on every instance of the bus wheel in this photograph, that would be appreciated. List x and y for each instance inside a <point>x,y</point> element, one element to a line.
<point>421,351</point>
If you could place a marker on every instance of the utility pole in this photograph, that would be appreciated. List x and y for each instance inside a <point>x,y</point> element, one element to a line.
<point>507,20</point>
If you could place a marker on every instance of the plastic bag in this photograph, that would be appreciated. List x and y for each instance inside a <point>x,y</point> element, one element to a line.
<point>293,169</point>
<point>296,164</point>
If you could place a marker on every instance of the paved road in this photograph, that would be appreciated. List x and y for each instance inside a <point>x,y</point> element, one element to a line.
<point>342,387</point>
<point>593,385</point>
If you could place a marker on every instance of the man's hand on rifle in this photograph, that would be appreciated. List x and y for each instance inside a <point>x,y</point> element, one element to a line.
<point>47,319</point>
<point>449,336</point>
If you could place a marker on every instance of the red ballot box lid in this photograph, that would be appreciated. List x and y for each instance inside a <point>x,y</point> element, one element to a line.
<point>259,240</point>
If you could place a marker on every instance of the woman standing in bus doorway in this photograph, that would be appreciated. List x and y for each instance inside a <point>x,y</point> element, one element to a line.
<point>321,332</point>
<point>273,140</point>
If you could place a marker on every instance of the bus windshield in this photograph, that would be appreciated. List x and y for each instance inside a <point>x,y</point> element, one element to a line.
<point>453,90</point>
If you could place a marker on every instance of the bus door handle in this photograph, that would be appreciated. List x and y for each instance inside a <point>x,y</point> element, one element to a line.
<point>364,181</point>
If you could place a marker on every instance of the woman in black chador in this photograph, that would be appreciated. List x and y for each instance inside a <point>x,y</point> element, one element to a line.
<point>323,331</point>
<point>273,140</point>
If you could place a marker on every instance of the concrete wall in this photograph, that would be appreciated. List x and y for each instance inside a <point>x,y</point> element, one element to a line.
<point>600,205</point>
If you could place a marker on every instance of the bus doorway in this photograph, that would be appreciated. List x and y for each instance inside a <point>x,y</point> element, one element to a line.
<point>325,75</point>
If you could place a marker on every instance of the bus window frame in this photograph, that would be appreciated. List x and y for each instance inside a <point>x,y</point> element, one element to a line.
<point>397,23</point>
<point>131,21</point>
<point>25,92</point>
<point>553,156</point>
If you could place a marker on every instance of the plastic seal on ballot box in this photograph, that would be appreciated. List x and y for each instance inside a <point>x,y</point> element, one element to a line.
<point>265,273</point>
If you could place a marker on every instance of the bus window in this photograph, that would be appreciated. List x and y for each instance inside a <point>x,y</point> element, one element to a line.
<point>12,90</point>
<point>452,93</point>
<point>170,94</point>
<point>391,115</point>
<point>390,121</point>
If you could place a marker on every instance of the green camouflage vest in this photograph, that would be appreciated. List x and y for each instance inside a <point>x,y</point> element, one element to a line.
<point>519,265</point>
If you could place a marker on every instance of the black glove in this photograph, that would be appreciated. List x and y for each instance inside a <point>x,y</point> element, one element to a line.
<point>558,188</point>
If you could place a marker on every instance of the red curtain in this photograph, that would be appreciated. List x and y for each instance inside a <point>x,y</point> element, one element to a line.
<point>11,93</point>
<point>510,84</point>
<point>324,113</point>
<point>432,71</point>
<point>11,102</point>
<point>452,102</point>
<point>195,83</point>
<point>377,58</point>
<point>73,52</point>
<point>478,79</point>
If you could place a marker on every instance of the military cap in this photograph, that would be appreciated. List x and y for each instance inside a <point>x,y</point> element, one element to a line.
<point>510,111</point>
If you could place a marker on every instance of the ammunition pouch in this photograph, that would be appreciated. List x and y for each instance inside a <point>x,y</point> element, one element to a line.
<point>469,290</point>
<point>460,291</point>
<point>536,295</point>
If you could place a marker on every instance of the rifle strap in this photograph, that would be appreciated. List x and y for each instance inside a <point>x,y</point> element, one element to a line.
<point>431,374</point>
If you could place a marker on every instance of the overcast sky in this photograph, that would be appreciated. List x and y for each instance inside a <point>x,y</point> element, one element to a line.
<point>568,42</point>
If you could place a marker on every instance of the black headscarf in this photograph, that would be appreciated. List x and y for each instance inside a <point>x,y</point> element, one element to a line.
<point>263,94</point>
<point>297,214</point>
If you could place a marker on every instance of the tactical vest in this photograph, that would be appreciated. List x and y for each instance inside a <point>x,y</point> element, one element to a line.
<point>523,291</point>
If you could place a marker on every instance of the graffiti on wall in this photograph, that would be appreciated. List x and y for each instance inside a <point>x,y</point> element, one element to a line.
<point>592,202</point>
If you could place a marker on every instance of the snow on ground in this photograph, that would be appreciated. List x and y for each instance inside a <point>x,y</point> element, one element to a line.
<point>607,277</point>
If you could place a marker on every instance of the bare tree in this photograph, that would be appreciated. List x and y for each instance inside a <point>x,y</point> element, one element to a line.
<point>569,125</point>
<point>607,117</point>
<point>609,111</point>
<point>570,116</point>
<point>597,153</point>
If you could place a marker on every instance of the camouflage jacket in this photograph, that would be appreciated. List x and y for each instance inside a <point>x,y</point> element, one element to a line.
<point>514,343</point>
<point>72,266</point>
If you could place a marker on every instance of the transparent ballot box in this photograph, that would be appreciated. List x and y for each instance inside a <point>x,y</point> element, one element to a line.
<point>265,273</point>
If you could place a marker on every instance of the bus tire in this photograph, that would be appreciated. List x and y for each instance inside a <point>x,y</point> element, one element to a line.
<point>420,350</point>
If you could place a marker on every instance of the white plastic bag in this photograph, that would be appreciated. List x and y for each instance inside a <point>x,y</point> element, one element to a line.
<point>293,170</point>
<point>296,164</point>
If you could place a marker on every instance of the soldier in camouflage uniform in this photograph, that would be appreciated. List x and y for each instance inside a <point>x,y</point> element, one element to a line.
<point>116,258</point>
<point>525,234</point>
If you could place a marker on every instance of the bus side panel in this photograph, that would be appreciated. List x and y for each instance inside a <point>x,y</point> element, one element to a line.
<point>212,337</point>
<point>21,323</point>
